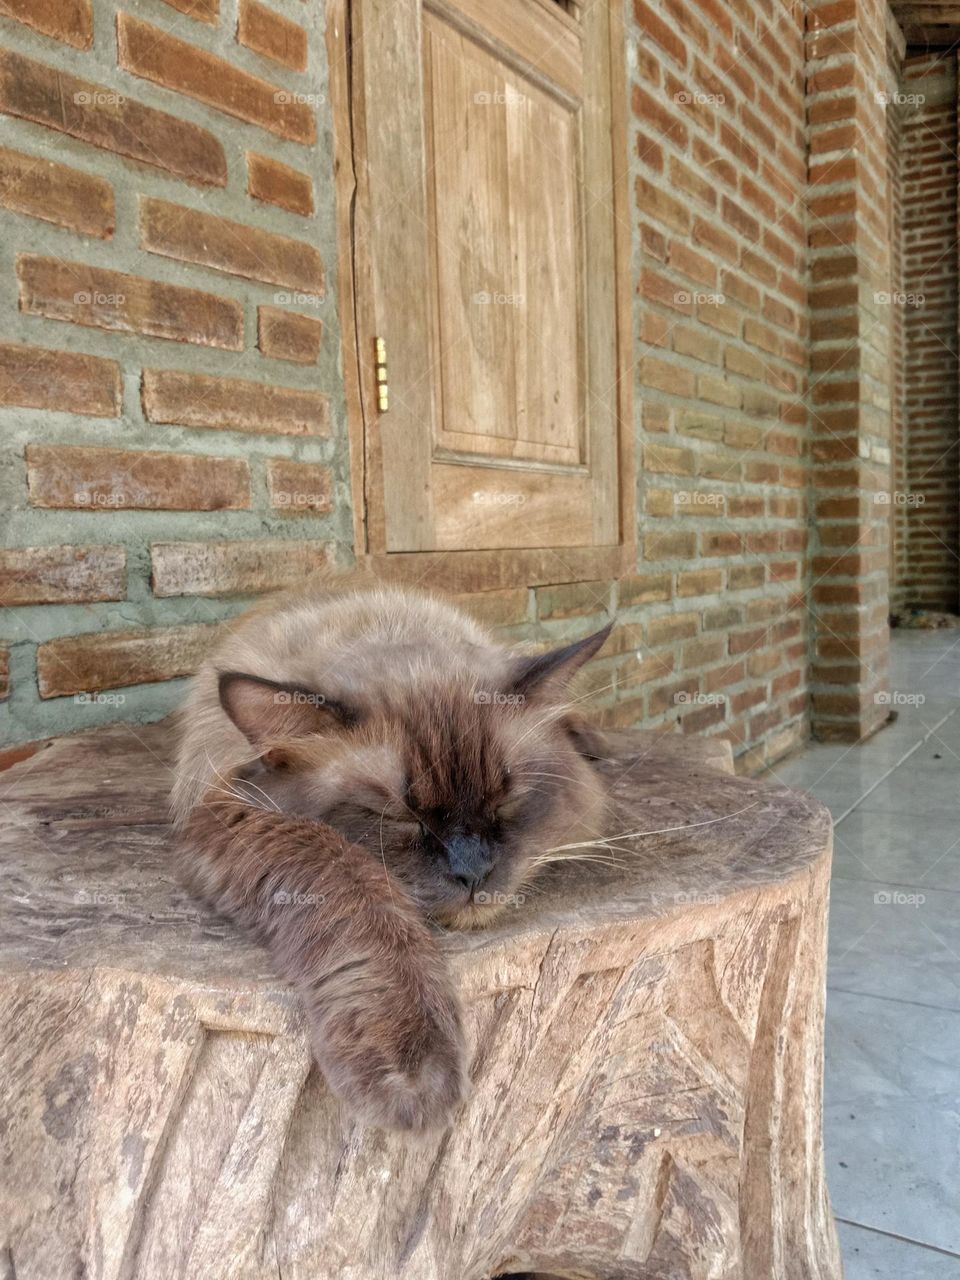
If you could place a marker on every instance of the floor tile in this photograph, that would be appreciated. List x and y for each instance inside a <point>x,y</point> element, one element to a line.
<point>922,785</point>
<point>894,847</point>
<point>892,1117</point>
<point>892,940</point>
<point>892,1072</point>
<point>868,1255</point>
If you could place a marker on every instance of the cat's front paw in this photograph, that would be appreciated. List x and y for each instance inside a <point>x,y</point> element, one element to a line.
<point>391,1046</point>
<point>416,1098</point>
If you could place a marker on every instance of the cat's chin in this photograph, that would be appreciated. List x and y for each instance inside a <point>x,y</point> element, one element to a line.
<point>471,916</point>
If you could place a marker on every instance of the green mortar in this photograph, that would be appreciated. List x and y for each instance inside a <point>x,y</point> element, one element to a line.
<point>25,716</point>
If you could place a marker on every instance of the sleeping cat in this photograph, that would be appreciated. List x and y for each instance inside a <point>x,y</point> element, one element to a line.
<point>355,764</point>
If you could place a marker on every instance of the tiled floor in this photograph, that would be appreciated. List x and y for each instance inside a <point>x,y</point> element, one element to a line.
<point>892,1106</point>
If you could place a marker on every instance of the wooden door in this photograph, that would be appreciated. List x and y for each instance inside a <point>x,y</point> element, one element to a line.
<point>485,251</point>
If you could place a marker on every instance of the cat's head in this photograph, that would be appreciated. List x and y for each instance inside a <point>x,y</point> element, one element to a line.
<point>459,777</point>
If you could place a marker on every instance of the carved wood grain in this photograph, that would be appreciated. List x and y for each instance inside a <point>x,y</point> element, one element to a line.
<point>647,1044</point>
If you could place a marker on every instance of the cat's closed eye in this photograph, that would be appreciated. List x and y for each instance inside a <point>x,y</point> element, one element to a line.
<point>510,807</point>
<point>349,815</point>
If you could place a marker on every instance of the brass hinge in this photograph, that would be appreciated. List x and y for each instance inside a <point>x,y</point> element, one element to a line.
<point>383,390</point>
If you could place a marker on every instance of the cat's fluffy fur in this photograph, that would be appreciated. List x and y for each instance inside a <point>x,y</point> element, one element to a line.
<point>354,763</point>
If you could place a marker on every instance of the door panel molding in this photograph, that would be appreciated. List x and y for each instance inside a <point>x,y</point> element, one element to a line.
<point>393,442</point>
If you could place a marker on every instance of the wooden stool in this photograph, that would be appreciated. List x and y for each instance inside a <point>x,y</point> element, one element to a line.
<point>647,1044</point>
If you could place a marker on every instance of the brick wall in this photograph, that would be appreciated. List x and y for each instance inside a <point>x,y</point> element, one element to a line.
<point>170,400</point>
<point>930,496</point>
<point>851,342</point>
<point>719,159</point>
<point>173,410</point>
<point>895,110</point>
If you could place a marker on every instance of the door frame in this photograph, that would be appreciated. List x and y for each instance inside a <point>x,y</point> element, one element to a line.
<point>466,571</point>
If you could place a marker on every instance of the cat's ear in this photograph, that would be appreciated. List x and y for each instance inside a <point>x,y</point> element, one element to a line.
<point>265,710</point>
<point>553,669</point>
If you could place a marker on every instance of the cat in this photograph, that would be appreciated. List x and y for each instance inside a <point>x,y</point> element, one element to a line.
<point>357,765</point>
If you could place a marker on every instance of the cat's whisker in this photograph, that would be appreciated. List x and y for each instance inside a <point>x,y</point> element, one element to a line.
<point>230,784</point>
<point>549,857</point>
<point>563,777</point>
<point>554,713</point>
<point>383,857</point>
<point>585,697</point>
<point>231,794</point>
<point>562,708</point>
<point>271,802</point>
<point>609,841</point>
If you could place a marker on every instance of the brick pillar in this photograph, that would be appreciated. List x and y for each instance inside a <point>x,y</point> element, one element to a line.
<point>851,308</point>
<point>930,501</point>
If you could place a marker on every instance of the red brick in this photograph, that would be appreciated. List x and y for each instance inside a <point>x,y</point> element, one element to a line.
<point>687,23</point>
<point>271,35</point>
<point>191,236</point>
<point>153,54</point>
<point>38,378</point>
<point>698,653</point>
<point>712,161</point>
<point>699,582</point>
<point>672,626</point>
<point>721,544</point>
<point>572,599</point>
<point>734,142</point>
<point>506,608</point>
<point>703,717</point>
<point>784,684</point>
<point>234,568</point>
<point>746,641</point>
<point>203,10</point>
<point>658,204</point>
<point>654,28</point>
<point>762,543</point>
<point>62,575</point>
<point>654,666</point>
<point>56,193</point>
<point>719,391</point>
<point>669,546</point>
<point>661,375</point>
<point>717,14</point>
<point>102,299</point>
<point>232,404</point>
<point>103,118</point>
<point>746,699</point>
<point>626,637</point>
<point>707,233</point>
<point>299,488</point>
<point>664,459</point>
<point>658,288</point>
<point>280,184</point>
<point>622,714</point>
<point>115,659</point>
<point>643,588</point>
<point>658,111</point>
<point>287,335</point>
<point>13,755</point>
<point>649,152</point>
<point>736,216</point>
<point>692,264</point>
<point>95,479</point>
<point>671,697</point>
<point>655,330</point>
<point>68,20</point>
<point>725,677</point>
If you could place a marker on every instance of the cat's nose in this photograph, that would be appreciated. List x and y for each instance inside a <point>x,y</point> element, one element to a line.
<point>469,858</point>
